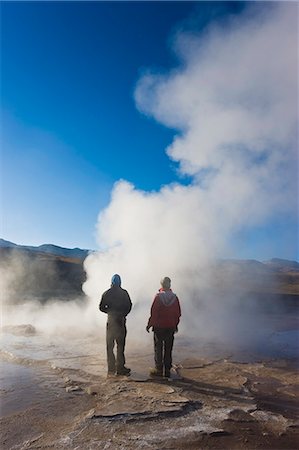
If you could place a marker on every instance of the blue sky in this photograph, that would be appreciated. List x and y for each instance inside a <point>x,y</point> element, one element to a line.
<point>70,126</point>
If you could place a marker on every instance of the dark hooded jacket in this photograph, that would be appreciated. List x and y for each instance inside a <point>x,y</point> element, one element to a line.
<point>165,310</point>
<point>116,302</point>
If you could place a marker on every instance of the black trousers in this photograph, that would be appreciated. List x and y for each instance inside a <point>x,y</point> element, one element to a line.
<point>116,333</point>
<point>163,344</point>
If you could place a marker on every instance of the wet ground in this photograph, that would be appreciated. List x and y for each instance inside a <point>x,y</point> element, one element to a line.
<point>55,394</point>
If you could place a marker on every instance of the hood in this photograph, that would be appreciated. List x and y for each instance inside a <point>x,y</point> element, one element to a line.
<point>167,297</point>
<point>116,280</point>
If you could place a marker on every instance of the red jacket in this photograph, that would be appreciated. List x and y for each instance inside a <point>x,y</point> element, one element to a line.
<point>165,310</point>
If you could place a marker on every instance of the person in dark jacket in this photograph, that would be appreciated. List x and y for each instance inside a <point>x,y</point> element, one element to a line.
<point>116,303</point>
<point>164,319</point>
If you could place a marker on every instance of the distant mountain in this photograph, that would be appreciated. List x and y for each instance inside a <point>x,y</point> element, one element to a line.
<point>42,273</point>
<point>7,244</point>
<point>241,265</point>
<point>276,276</point>
<point>282,264</point>
<point>49,271</point>
<point>252,265</point>
<point>76,253</point>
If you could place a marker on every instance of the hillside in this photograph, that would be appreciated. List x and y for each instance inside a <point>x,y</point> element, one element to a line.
<point>27,274</point>
<point>49,271</point>
<point>276,276</point>
<point>77,253</point>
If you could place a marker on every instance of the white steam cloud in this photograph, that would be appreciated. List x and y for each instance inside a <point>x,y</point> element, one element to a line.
<point>233,100</point>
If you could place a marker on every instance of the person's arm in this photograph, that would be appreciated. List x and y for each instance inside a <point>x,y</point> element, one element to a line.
<point>178,313</point>
<point>149,326</point>
<point>104,305</point>
<point>153,316</point>
<point>128,303</point>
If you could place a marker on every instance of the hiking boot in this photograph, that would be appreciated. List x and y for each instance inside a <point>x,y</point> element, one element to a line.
<point>156,373</point>
<point>123,371</point>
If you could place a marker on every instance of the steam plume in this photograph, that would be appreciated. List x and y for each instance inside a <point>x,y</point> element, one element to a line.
<point>233,100</point>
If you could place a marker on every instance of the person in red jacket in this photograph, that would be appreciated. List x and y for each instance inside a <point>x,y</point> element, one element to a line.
<point>164,320</point>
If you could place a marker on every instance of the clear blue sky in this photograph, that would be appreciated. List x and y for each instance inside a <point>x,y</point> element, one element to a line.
<point>70,126</point>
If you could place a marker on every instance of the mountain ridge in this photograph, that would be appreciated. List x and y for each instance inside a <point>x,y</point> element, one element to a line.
<point>49,271</point>
<point>78,253</point>
<point>52,249</point>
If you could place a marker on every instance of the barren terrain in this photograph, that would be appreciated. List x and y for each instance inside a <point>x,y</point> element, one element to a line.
<point>67,401</point>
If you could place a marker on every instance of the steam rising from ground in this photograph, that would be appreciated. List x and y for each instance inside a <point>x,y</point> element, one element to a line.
<point>233,100</point>
<point>33,292</point>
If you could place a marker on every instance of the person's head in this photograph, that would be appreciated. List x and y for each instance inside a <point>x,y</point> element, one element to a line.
<point>166,282</point>
<point>116,280</point>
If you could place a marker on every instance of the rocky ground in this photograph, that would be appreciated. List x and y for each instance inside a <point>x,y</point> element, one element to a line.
<point>209,403</point>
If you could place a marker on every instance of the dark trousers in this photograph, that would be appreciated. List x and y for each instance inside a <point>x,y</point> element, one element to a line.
<point>116,333</point>
<point>163,343</point>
